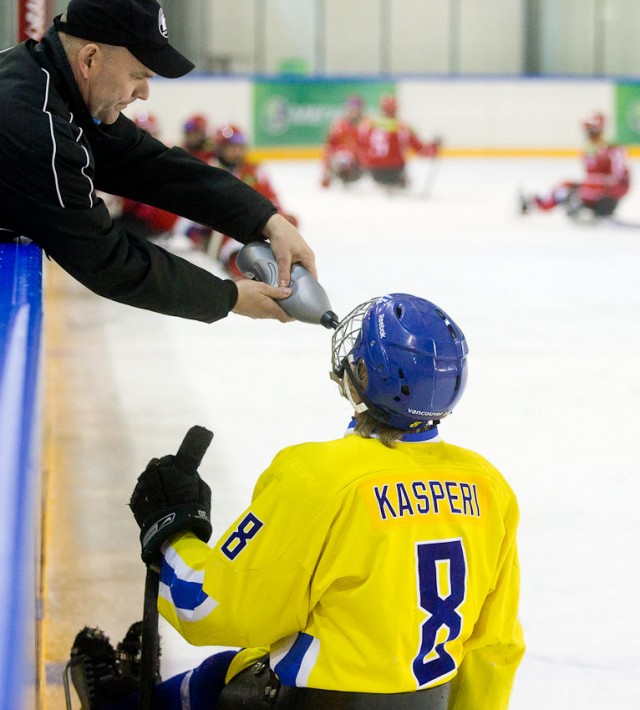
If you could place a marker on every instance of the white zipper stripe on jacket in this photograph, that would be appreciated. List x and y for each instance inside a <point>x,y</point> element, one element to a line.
<point>86,152</point>
<point>53,139</point>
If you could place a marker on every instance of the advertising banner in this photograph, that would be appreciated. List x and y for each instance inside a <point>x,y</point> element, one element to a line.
<point>299,112</point>
<point>627,113</point>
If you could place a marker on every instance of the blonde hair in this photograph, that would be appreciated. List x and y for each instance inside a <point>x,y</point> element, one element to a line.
<point>367,426</point>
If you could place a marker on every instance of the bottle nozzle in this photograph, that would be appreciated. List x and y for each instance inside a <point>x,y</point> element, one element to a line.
<point>330,320</point>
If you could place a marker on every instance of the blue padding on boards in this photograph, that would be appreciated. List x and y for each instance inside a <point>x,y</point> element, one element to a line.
<point>20,466</point>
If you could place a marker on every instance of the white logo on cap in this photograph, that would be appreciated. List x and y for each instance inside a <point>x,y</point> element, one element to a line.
<point>162,24</point>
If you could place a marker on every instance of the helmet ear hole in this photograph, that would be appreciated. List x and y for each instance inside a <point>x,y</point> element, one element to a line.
<point>404,387</point>
<point>399,311</point>
<point>360,372</point>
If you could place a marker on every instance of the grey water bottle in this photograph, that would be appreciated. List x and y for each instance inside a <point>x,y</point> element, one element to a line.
<point>308,301</point>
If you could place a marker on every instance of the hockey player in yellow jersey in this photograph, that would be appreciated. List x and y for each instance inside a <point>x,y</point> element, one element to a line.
<point>379,570</point>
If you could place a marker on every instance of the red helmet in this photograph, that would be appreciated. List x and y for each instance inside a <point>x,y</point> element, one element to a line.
<point>388,105</point>
<point>355,102</point>
<point>195,123</point>
<point>594,123</point>
<point>228,134</point>
<point>146,121</point>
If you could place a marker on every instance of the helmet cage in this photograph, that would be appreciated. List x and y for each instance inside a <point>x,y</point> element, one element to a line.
<point>343,344</point>
<point>344,338</point>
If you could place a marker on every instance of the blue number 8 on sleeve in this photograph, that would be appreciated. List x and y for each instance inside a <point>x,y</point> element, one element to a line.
<point>442,584</point>
<point>237,541</point>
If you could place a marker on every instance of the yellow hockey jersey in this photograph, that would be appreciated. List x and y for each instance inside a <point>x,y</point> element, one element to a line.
<point>364,568</point>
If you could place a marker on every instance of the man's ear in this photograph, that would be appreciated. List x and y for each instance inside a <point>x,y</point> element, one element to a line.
<point>86,58</point>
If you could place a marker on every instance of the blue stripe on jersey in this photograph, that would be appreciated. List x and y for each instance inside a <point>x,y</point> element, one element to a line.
<point>428,435</point>
<point>185,595</point>
<point>288,668</point>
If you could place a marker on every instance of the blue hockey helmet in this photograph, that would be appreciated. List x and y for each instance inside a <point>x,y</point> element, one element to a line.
<point>415,358</point>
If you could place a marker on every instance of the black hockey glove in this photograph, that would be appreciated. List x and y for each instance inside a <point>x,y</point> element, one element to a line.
<point>170,497</point>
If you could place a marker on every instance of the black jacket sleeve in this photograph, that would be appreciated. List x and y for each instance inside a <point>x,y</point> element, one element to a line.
<point>136,165</point>
<point>100,255</point>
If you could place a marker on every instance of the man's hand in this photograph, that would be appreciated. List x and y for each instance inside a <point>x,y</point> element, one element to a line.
<point>168,499</point>
<point>256,300</point>
<point>288,247</point>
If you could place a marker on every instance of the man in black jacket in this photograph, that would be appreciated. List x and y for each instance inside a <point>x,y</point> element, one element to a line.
<point>63,136</point>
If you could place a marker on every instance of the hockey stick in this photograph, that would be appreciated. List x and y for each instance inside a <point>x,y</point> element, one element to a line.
<point>432,172</point>
<point>150,654</point>
<point>189,456</point>
<point>615,222</point>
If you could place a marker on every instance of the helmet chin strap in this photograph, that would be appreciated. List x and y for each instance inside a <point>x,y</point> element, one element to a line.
<point>346,381</point>
<point>359,407</point>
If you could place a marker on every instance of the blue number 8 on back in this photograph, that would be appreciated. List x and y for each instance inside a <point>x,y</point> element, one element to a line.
<point>442,584</point>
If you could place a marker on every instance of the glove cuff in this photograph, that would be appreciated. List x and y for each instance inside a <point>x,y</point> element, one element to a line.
<point>160,526</point>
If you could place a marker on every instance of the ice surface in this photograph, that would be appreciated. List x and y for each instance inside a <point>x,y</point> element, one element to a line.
<point>551,311</point>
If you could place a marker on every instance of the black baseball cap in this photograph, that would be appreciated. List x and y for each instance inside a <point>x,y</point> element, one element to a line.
<point>138,25</point>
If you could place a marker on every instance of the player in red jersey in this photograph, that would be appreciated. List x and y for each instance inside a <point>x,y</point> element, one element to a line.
<point>230,148</point>
<point>341,157</point>
<point>387,141</point>
<point>606,182</point>
<point>195,137</point>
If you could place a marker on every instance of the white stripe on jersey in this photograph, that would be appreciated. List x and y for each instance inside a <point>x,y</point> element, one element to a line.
<point>180,568</point>
<point>283,649</point>
<point>185,573</point>
<point>308,662</point>
<point>190,615</point>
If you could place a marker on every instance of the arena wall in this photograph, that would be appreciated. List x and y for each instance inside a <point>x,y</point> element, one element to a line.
<point>505,116</point>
